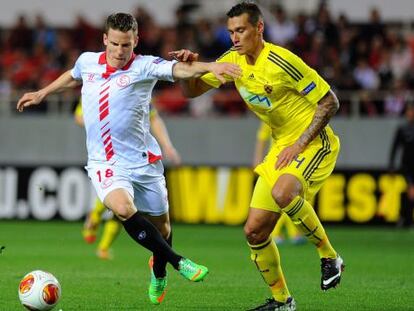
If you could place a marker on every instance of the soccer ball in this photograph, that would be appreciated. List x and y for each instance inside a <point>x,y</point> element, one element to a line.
<point>39,290</point>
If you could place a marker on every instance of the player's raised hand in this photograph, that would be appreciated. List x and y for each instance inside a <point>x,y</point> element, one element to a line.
<point>184,55</point>
<point>29,99</point>
<point>220,70</point>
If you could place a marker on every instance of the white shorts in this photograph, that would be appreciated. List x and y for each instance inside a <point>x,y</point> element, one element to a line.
<point>145,184</point>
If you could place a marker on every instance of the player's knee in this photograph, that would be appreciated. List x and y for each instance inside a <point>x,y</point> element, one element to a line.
<point>124,209</point>
<point>282,197</point>
<point>254,235</point>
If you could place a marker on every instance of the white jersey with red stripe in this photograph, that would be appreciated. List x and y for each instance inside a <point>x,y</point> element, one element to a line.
<point>116,107</point>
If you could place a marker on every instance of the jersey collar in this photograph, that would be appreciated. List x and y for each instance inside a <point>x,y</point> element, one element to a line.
<point>109,69</point>
<point>263,55</point>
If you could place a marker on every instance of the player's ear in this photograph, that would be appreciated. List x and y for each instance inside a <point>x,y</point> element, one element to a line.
<point>105,39</point>
<point>260,26</point>
<point>136,41</point>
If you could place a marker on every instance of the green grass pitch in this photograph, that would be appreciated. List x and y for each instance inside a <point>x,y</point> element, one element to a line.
<point>379,272</point>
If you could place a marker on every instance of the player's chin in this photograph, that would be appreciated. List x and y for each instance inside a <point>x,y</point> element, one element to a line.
<point>240,51</point>
<point>120,63</point>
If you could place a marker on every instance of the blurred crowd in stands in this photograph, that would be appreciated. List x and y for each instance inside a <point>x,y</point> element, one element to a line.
<point>374,58</point>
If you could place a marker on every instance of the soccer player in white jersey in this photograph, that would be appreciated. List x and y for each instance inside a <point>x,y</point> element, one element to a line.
<point>123,157</point>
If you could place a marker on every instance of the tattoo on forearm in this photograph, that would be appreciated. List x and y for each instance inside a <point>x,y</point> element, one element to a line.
<point>327,107</point>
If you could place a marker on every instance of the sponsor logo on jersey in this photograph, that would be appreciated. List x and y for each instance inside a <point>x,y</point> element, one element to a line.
<point>259,100</point>
<point>123,81</point>
<point>308,89</point>
<point>90,77</point>
<point>254,99</point>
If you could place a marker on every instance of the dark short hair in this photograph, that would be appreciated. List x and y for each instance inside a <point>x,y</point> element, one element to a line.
<point>246,7</point>
<point>121,21</point>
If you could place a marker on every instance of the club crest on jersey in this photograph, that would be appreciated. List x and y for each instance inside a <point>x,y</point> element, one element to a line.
<point>123,81</point>
<point>268,88</point>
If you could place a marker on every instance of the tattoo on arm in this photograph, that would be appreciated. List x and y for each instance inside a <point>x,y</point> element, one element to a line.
<point>327,107</point>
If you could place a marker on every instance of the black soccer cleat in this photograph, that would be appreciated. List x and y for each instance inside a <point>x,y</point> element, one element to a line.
<point>273,305</point>
<point>331,270</point>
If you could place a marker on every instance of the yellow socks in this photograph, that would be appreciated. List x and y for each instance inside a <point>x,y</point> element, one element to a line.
<point>292,230</point>
<point>110,232</point>
<point>303,215</point>
<point>267,260</point>
<point>285,222</point>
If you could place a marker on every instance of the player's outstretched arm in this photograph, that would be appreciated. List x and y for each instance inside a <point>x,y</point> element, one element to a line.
<point>188,70</point>
<point>34,98</point>
<point>327,107</point>
<point>194,87</point>
<point>191,87</point>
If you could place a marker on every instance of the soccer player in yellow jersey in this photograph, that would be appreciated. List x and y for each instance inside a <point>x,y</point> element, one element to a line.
<point>112,226</point>
<point>263,140</point>
<point>297,104</point>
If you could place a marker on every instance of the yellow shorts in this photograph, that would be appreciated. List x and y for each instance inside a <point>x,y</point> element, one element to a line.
<point>312,167</point>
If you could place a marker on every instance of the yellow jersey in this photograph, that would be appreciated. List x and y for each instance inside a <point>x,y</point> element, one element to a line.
<point>279,88</point>
<point>264,132</point>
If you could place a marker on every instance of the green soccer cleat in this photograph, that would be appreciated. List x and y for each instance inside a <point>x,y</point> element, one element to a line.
<point>192,271</point>
<point>157,286</point>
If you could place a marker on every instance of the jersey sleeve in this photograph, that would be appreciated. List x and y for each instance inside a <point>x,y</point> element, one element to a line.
<point>264,132</point>
<point>303,78</point>
<point>76,71</point>
<point>211,79</point>
<point>160,69</point>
